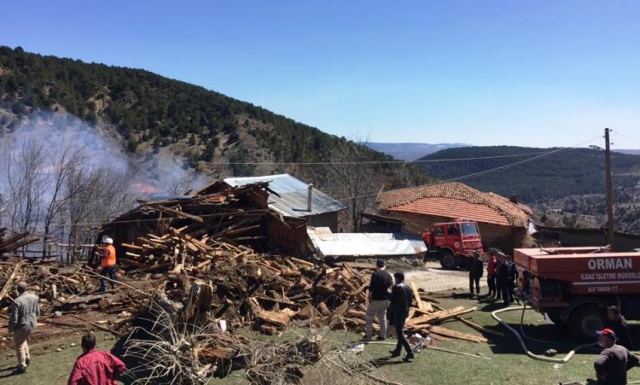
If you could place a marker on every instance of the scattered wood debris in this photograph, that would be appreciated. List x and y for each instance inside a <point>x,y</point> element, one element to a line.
<point>219,257</point>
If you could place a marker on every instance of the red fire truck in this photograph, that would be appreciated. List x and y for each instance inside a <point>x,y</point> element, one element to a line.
<point>573,286</point>
<point>453,242</point>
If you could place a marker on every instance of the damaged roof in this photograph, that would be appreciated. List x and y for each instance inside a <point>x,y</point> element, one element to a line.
<point>456,200</point>
<point>289,196</point>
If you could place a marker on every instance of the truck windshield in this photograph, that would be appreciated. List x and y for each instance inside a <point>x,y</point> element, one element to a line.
<point>469,229</point>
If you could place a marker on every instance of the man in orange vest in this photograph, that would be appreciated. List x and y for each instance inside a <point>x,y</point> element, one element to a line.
<point>108,265</point>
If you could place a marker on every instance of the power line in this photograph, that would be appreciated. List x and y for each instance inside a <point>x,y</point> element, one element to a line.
<point>520,162</point>
<point>500,168</point>
<point>366,162</point>
<point>616,133</point>
<point>373,194</point>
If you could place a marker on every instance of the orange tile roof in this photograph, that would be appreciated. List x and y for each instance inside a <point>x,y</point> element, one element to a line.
<point>456,200</point>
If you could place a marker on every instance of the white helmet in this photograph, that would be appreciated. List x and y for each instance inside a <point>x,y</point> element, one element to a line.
<point>108,240</point>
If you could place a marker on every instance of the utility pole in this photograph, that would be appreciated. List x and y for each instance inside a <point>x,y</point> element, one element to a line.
<point>607,159</point>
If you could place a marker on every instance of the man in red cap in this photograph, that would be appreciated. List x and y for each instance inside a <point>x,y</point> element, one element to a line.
<point>614,361</point>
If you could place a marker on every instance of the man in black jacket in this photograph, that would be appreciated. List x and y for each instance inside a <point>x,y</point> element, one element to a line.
<point>617,323</point>
<point>476,269</point>
<point>379,286</point>
<point>503,273</point>
<point>401,297</point>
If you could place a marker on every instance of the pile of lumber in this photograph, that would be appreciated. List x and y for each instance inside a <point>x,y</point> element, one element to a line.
<point>188,234</point>
<point>71,290</point>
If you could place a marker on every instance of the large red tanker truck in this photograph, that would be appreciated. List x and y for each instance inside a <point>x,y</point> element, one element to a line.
<point>573,286</point>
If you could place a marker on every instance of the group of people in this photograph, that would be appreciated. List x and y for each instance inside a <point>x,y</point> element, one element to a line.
<point>93,366</point>
<point>501,276</point>
<point>390,303</point>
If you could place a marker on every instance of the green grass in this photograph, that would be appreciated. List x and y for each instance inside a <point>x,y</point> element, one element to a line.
<point>507,363</point>
<point>48,366</point>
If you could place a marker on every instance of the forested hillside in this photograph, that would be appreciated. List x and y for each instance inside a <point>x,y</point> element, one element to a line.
<point>215,135</point>
<point>571,181</point>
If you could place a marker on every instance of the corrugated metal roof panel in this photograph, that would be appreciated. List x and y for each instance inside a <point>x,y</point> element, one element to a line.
<point>330,244</point>
<point>292,201</point>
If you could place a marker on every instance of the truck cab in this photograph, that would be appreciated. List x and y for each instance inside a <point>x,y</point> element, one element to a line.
<point>453,243</point>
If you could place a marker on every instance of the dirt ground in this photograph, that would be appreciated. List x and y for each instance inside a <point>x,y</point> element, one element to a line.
<point>433,278</point>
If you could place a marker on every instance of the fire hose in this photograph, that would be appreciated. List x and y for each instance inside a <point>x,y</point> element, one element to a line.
<point>524,346</point>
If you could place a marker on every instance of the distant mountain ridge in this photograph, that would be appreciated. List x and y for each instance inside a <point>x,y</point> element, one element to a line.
<point>411,151</point>
<point>628,151</point>
<point>568,179</point>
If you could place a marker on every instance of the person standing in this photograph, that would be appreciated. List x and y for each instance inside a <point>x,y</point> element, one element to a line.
<point>504,268</point>
<point>491,274</point>
<point>23,318</point>
<point>95,367</point>
<point>108,265</point>
<point>401,297</point>
<point>617,323</point>
<point>476,269</point>
<point>614,361</point>
<point>513,276</point>
<point>379,287</point>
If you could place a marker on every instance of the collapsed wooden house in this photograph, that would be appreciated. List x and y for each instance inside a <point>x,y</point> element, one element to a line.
<point>220,255</point>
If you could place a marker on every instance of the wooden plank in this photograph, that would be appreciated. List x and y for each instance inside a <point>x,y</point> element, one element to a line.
<point>196,242</point>
<point>85,299</point>
<point>7,284</point>
<point>433,316</point>
<point>178,213</point>
<point>358,265</point>
<point>277,318</point>
<point>416,295</point>
<point>454,334</point>
<point>479,328</point>
<point>131,246</point>
<point>425,306</point>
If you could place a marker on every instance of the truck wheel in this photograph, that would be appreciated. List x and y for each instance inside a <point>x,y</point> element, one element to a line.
<point>586,320</point>
<point>448,260</point>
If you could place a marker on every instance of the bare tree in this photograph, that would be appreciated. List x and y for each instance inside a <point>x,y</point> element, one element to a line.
<point>63,163</point>
<point>95,196</point>
<point>353,179</point>
<point>26,185</point>
<point>3,207</point>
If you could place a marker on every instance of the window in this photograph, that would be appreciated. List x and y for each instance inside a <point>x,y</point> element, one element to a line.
<point>469,228</point>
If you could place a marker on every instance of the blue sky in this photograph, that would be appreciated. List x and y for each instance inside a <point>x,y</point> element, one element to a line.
<point>536,73</point>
